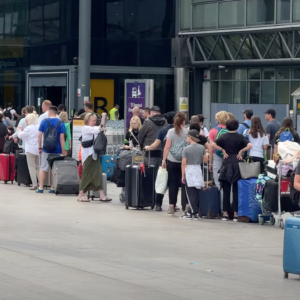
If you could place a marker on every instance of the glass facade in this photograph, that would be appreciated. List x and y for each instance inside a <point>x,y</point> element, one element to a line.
<point>255,86</point>
<point>45,33</point>
<point>221,14</point>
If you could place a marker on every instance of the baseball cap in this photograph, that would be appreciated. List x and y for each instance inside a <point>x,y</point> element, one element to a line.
<point>248,112</point>
<point>194,134</point>
<point>155,108</point>
<point>271,111</point>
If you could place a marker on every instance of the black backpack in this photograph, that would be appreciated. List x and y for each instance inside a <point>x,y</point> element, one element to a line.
<point>50,137</point>
<point>100,144</point>
<point>7,113</point>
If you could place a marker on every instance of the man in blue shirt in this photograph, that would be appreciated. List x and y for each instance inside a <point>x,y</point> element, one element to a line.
<point>60,144</point>
<point>247,113</point>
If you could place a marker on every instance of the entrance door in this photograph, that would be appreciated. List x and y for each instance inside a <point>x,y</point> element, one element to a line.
<point>38,96</point>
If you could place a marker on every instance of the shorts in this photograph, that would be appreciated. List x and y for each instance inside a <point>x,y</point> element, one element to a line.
<point>44,165</point>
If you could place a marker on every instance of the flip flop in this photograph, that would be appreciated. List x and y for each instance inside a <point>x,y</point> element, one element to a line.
<point>106,199</point>
<point>83,199</point>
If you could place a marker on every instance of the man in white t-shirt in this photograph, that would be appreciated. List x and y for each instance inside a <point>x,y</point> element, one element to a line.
<point>45,108</point>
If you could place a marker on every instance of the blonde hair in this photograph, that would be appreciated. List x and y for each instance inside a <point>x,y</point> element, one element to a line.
<point>231,116</point>
<point>47,103</point>
<point>64,117</point>
<point>31,119</point>
<point>138,120</point>
<point>222,117</point>
<point>87,118</point>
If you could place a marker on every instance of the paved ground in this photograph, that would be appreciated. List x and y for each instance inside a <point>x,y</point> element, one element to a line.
<point>55,248</point>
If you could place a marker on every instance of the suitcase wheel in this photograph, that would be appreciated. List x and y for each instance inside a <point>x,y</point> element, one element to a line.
<point>272,221</point>
<point>19,184</point>
<point>152,207</point>
<point>5,182</point>
<point>126,207</point>
<point>286,275</point>
<point>56,193</point>
<point>261,220</point>
<point>281,224</point>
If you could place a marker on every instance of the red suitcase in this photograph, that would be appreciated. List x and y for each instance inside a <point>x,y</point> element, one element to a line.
<point>7,167</point>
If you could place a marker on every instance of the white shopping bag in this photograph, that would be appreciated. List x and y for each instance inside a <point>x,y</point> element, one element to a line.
<point>288,149</point>
<point>161,182</point>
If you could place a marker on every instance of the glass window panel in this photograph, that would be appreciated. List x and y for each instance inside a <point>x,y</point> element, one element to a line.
<point>267,92</point>
<point>254,92</point>
<point>239,92</point>
<point>205,16</point>
<point>226,92</point>
<point>36,10</point>
<point>185,14</point>
<point>51,9</point>
<point>282,92</point>
<point>283,11</point>
<point>226,74</point>
<point>8,19</point>
<point>268,74</point>
<point>283,73</point>
<point>254,74</point>
<point>260,12</point>
<point>36,32</point>
<point>214,74</point>
<point>51,30</point>
<point>296,10</point>
<point>215,92</point>
<point>295,73</point>
<point>231,14</point>
<point>240,74</point>
<point>294,86</point>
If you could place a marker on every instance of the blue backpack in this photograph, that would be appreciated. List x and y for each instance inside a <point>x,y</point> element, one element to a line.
<point>286,135</point>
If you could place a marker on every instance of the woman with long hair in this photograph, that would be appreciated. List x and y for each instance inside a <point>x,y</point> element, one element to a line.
<point>259,140</point>
<point>287,126</point>
<point>133,133</point>
<point>174,136</point>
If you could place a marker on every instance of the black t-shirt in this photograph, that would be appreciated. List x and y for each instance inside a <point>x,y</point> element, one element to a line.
<point>232,143</point>
<point>203,140</point>
<point>296,138</point>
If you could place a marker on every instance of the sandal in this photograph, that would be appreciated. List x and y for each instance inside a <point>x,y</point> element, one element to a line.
<point>105,199</point>
<point>83,199</point>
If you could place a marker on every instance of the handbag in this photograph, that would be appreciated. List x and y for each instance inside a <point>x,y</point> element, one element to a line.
<point>249,170</point>
<point>177,149</point>
<point>161,182</point>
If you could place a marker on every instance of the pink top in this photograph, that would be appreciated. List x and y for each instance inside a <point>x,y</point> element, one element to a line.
<point>213,132</point>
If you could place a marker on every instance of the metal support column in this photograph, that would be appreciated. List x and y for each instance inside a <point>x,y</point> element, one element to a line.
<point>181,89</point>
<point>84,56</point>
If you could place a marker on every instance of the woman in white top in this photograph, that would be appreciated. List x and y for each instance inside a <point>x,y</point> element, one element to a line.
<point>259,140</point>
<point>30,137</point>
<point>91,179</point>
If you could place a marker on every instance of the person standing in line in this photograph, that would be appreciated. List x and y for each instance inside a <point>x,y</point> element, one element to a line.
<point>45,108</point>
<point>29,136</point>
<point>146,113</point>
<point>23,115</point>
<point>202,127</point>
<point>271,128</point>
<point>88,108</point>
<point>45,150</point>
<point>174,136</point>
<point>245,127</point>
<point>61,108</point>
<point>133,133</point>
<point>68,139</point>
<point>10,112</point>
<point>192,177</point>
<point>114,113</point>
<point>259,141</point>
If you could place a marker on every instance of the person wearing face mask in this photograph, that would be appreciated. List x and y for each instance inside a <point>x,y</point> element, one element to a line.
<point>133,133</point>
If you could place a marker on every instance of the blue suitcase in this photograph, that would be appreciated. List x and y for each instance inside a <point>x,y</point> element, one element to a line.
<point>209,202</point>
<point>108,164</point>
<point>291,247</point>
<point>248,206</point>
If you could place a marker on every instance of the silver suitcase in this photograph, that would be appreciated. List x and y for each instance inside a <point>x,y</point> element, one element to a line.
<point>94,195</point>
<point>65,177</point>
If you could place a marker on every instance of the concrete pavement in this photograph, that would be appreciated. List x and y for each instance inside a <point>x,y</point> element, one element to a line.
<point>52,247</point>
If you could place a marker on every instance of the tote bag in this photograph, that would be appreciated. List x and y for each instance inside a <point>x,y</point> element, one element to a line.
<point>249,170</point>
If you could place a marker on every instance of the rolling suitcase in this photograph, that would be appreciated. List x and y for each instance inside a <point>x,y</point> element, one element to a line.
<point>7,167</point>
<point>248,207</point>
<point>23,176</point>
<point>209,200</point>
<point>291,253</point>
<point>139,186</point>
<point>65,176</point>
<point>94,195</point>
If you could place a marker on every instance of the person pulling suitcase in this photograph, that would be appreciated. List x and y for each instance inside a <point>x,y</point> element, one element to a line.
<point>192,158</point>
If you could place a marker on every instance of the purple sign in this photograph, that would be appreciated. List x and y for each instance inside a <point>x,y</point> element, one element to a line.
<point>136,97</point>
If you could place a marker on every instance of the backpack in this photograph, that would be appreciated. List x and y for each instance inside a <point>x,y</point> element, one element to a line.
<point>246,131</point>
<point>100,144</point>
<point>221,131</point>
<point>260,186</point>
<point>50,137</point>
<point>7,113</point>
<point>286,135</point>
<point>177,149</point>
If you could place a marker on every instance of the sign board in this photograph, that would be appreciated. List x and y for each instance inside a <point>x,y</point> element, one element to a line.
<point>78,92</point>
<point>86,99</point>
<point>184,104</point>
<point>76,134</point>
<point>138,93</point>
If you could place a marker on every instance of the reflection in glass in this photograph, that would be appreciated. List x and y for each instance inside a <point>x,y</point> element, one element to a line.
<point>260,12</point>
<point>283,73</point>
<point>215,92</point>
<point>268,74</point>
<point>51,9</point>
<point>296,10</point>
<point>226,92</point>
<point>282,92</point>
<point>267,92</point>
<point>231,14</point>
<point>185,14</point>
<point>239,95</point>
<point>240,74</point>
<point>205,16</point>
<point>254,92</point>
<point>283,11</point>
<point>254,74</point>
<point>226,74</point>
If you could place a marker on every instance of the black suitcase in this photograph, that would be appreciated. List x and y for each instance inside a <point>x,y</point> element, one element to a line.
<point>23,176</point>
<point>139,187</point>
